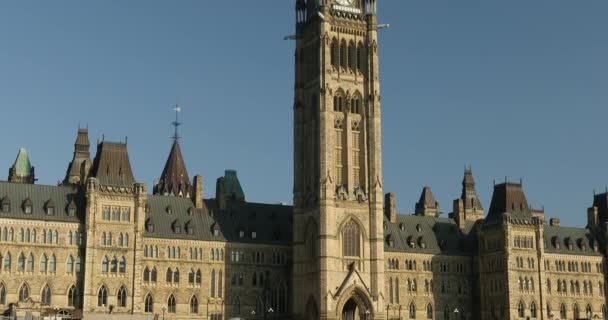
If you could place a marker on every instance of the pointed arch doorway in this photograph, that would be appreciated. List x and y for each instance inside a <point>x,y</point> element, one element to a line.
<point>352,311</point>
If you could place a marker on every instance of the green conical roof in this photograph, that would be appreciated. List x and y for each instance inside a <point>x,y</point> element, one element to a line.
<point>22,165</point>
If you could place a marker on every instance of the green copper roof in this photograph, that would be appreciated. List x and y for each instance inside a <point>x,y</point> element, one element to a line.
<point>233,186</point>
<point>23,166</point>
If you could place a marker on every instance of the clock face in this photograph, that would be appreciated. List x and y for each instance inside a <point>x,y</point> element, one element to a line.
<point>345,2</point>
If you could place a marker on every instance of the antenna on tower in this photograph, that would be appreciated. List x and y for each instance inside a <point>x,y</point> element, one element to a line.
<point>176,123</point>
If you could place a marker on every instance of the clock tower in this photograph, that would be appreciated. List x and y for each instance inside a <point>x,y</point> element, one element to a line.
<point>338,237</point>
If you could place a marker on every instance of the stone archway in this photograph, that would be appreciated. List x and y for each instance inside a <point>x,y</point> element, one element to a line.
<point>354,311</point>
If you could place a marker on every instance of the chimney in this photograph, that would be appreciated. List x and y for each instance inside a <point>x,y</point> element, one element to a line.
<point>389,207</point>
<point>554,222</point>
<point>220,194</point>
<point>592,221</point>
<point>198,191</point>
<point>458,213</point>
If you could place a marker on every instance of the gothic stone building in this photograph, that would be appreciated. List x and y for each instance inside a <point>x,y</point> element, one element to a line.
<point>99,246</point>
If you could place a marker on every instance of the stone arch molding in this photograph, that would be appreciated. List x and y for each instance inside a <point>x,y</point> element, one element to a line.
<point>359,296</point>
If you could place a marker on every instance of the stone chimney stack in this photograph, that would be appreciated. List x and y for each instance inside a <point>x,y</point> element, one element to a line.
<point>554,222</point>
<point>592,218</point>
<point>389,207</point>
<point>198,191</point>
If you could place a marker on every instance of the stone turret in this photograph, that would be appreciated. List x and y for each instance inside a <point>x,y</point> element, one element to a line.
<point>467,207</point>
<point>82,153</point>
<point>22,170</point>
<point>427,206</point>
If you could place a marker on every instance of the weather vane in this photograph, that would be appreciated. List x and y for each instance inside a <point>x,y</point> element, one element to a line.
<point>176,123</point>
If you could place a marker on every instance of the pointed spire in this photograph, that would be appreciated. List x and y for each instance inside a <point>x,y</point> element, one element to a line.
<point>22,170</point>
<point>427,206</point>
<point>81,153</point>
<point>174,180</point>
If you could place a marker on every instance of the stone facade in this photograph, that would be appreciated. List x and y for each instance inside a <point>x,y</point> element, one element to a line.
<point>99,246</point>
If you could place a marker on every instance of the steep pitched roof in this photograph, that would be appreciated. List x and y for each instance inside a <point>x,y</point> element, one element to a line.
<point>427,201</point>
<point>22,165</point>
<point>39,197</point>
<point>174,180</point>
<point>232,186</point>
<point>601,202</point>
<point>426,234</point>
<point>509,198</point>
<point>112,166</point>
<point>583,241</point>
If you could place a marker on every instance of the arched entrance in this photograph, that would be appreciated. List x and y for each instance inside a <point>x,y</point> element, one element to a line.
<point>352,311</point>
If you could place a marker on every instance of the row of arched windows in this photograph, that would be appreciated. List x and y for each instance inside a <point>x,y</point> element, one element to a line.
<point>195,253</point>
<point>121,297</point>
<point>347,56</point>
<point>519,262</point>
<point>575,287</point>
<point>171,305</point>
<point>341,104</point>
<point>576,312</point>
<point>48,263</point>
<point>46,295</point>
<point>75,238</point>
<point>29,236</point>
<point>525,284</point>
<point>113,266</point>
<point>150,251</point>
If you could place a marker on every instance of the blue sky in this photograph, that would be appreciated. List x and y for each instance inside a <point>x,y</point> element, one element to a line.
<point>513,88</point>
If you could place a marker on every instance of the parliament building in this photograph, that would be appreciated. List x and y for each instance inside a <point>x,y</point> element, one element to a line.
<point>101,245</point>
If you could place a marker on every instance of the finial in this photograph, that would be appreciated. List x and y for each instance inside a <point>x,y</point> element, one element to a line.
<point>176,123</point>
<point>126,140</point>
<point>103,137</point>
<point>521,182</point>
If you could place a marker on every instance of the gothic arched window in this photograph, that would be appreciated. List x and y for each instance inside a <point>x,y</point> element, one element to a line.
<point>562,311</point>
<point>212,283</point>
<point>149,304</point>
<point>72,296</point>
<point>429,311</point>
<point>412,311</point>
<point>171,304</point>
<point>533,310</point>
<point>24,292</point>
<point>2,294</point>
<point>45,298</point>
<point>343,55</point>
<point>194,305</point>
<point>121,297</point>
<point>334,53</point>
<point>351,239</point>
<point>102,297</point>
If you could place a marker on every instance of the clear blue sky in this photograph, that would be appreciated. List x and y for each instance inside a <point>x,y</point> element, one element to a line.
<point>514,88</point>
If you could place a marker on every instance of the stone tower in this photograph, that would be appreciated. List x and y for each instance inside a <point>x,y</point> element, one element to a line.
<point>338,270</point>
<point>22,170</point>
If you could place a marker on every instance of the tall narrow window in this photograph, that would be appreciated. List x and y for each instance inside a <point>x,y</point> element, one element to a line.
<point>339,153</point>
<point>390,290</point>
<point>121,297</point>
<point>104,264</point>
<point>343,55</point>
<point>169,276</point>
<point>356,135</point>
<point>352,59</point>
<point>146,274</point>
<point>334,53</point>
<point>360,57</point>
<point>2,294</point>
<point>102,297</point>
<point>70,265</point>
<point>78,264</point>
<point>72,297</point>
<point>194,305</point>
<point>153,275</point>
<point>30,262</point>
<point>350,239</point>
<point>212,283</point>
<point>171,304</point>
<point>21,262</point>
<point>412,311</point>
<point>7,262</point>
<point>24,292</point>
<point>429,311</point>
<point>46,296</point>
<point>219,285</point>
<point>149,304</point>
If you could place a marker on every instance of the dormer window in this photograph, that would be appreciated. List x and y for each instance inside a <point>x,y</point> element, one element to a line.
<point>556,242</point>
<point>190,211</point>
<point>254,234</point>
<point>149,225</point>
<point>401,226</point>
<point>418,228</point>
<point>241,233</point>
<point>189,228</point>
<point>6,205</point>
<point>390,241</point>
<point>27,206</point>
<point>49,208</point>
<point>72,209</point>
<point>215,229</point>
<point>169,210</point>
<point>410,242</point>
<point>421,242</point>
<point>177,228</point>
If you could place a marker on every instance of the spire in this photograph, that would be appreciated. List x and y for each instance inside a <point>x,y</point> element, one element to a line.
<point>81,153</point>
<point>427,206</point>
<point>174,180</point>
<point>469,194</point>
<point>21,171</point>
